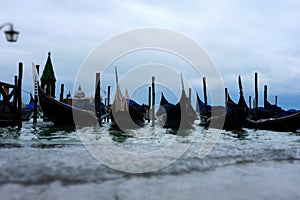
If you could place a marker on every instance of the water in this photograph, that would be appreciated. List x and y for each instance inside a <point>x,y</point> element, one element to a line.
<point>53,163</point>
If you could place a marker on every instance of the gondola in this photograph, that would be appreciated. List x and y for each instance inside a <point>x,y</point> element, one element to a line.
<point>287,123</point>
<point>130,118</point>
<point>205,111</point>
<point>125,113</point>
<point>62,114</point>
<point>27,111</point>
<point>273,117</point>
<point>178,116</point>
<point>268,111</point>
<point>233,118</point>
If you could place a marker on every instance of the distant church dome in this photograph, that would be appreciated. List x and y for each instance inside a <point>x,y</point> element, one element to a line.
<point>79,93</point>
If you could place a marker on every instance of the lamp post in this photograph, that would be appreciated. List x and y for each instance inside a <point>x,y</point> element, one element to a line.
<point>11,35</point>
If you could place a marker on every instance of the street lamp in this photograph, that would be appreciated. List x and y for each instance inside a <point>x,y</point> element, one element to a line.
<point>11,35</point>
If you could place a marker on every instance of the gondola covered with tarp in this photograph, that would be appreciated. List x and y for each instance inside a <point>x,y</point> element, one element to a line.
<point>125,113</point>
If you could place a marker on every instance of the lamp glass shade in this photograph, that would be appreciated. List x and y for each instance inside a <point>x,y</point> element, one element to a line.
<point>11,35</point>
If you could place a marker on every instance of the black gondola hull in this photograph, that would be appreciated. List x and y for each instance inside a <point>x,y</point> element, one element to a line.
<point>179,116</point>
<point>290,123</point>
<point>63,115</point>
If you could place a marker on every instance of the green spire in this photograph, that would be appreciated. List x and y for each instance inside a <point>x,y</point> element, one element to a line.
<point>48,73</point>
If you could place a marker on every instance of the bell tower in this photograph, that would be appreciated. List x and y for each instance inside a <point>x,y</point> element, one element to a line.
<point>48,78</point>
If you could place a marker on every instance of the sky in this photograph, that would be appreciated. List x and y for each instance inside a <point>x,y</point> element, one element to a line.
<point>240,37</point>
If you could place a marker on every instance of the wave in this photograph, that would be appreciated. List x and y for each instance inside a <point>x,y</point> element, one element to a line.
<point>41,157</point>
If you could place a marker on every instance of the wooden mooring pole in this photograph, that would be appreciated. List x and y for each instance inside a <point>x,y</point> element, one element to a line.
<point>153,101</point>
<point>250,103</point>
<point>265,95</point>
<point>98,97</point>
<point>190,95</point>
<point>205,97</point>
<point>61,95</point>
<point>256,90</point>
<point>149,103</point>
<point>226,97</point>
<point>108,100</point>
<point>19,93</point>
<point>15,96</point>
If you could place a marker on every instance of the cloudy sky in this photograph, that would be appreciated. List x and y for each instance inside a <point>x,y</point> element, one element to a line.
<point>241,37</point>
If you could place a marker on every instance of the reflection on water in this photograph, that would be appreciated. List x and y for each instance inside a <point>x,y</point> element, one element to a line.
<point>151,138</point>
<point>240,134</point>
<point>119,135</point>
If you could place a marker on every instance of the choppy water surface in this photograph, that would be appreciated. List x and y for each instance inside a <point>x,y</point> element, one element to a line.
<point>53,163</point>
